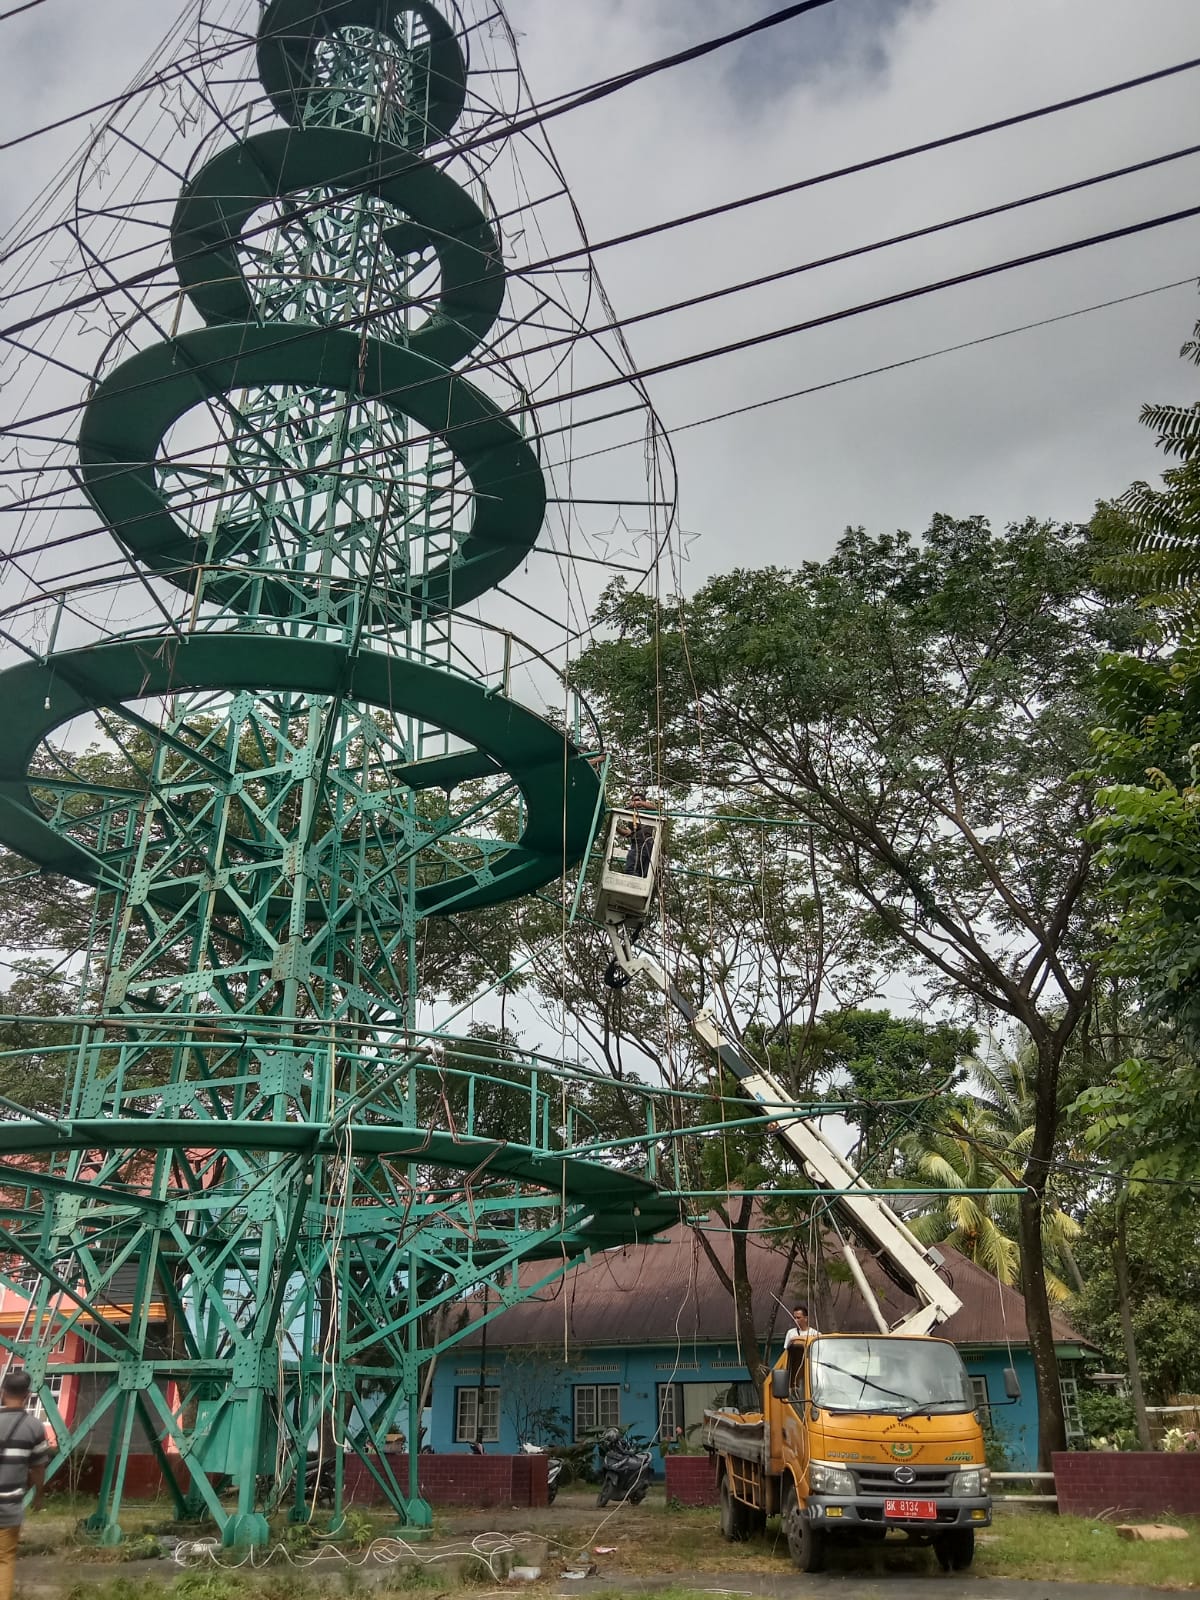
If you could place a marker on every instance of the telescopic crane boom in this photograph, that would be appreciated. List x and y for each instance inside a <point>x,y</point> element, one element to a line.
<point>624,905</point>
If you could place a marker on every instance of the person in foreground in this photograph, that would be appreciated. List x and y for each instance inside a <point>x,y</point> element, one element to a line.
<point>24,1452</point>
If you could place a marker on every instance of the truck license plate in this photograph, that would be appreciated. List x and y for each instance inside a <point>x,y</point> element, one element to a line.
<point>911,1510</point>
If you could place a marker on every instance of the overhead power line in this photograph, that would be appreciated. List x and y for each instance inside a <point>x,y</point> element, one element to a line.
<point>17,10</point>
<point>622,323</point>
<point>871,163</point>
<point>855,251</point>
<point>976,274</point>
<point>713,352</point>
<point>623,80</point>
<point>167,75</point>
<point>874,372</point>
<point>568,102</point>
<point>681,427</point>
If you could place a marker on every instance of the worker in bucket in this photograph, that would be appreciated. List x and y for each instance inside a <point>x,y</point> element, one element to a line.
<point>639,838</point>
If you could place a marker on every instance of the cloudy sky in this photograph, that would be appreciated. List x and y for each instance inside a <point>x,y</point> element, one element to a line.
<point>1042,423</point>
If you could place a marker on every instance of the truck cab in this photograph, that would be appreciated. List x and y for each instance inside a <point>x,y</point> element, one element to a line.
<point>859,1436</point>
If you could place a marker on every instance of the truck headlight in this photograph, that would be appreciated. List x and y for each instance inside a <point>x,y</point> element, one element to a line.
<point>970,1484</point>
<point>823,1478</point>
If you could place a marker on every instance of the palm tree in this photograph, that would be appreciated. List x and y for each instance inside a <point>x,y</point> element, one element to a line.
<point>1150,537</point>
<point>982,1143</point>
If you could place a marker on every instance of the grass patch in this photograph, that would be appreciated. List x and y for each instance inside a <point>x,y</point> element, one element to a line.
<point>685,1542</point>
<point>1036,1544</point>
<point>682,1548</point>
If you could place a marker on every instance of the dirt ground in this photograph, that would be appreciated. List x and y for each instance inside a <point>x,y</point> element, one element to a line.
<point>617,1551</point>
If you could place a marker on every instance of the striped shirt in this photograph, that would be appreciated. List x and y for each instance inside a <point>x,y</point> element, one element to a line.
<point>23,1446</point>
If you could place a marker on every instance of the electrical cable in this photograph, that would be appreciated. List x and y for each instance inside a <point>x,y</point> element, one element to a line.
<point>855,251</point>
<point>17,10</point>
<point>907,361</point>
<point>167,75</point>
<point>709,212</point>
<point>568,102</point>
<point>750,341</point>
<point>719,416</point>
<point>622,80</point>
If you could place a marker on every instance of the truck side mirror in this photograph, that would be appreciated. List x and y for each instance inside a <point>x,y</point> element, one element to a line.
<point>781,1383</point>
<point>1012,1384</point>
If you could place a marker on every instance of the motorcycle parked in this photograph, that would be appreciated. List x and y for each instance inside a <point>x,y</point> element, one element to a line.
<point>624,1471</point>
<point>554,1468</point>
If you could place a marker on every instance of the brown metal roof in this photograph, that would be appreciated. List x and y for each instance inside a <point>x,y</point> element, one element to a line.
<point>660,1293</point>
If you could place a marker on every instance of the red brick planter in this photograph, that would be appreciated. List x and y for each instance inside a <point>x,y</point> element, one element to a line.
<point>458,1480</point>
<point>1148,1482</point>
<point>453,1480</point>
<point>692,1480</point>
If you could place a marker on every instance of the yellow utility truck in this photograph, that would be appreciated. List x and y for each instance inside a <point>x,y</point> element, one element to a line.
<point>854,1436</point>
<point>857,1436</point>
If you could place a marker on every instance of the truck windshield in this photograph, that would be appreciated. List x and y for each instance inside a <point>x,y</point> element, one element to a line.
<point>900,1375</point>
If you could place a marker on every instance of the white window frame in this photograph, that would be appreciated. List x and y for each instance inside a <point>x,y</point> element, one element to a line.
<point>467,1419</point>
<point>602,1401</point>
<point>26,1276</point>
<point>979,1390</point>
<point>54,1383</point>
<point>670,1409</point>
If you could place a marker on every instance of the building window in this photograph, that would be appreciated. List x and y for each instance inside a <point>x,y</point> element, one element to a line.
<point>24,1275</point>
<point>471,1422</point>
<point>1070,1400</point>
<point>53,1388</point>
<point>979,1390</point>
<point>597,1406</point>
<point>670,1409</point>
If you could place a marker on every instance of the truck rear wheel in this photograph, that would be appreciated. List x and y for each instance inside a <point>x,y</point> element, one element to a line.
<point>737,1519</point>
<point>955,1551</point>
<point>806,1545</point>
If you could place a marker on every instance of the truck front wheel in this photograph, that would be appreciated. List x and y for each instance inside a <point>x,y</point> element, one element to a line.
<point>806,1545</point>
<point>955,1551</point>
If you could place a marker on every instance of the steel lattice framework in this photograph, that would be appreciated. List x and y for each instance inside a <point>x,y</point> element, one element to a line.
<point>269,1190</point>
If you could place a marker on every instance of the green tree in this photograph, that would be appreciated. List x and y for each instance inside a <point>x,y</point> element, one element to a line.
<point>983,1141</point>
<point>1151,536</point>
<point>975,1149</point>
<point>1162,1233</point>
<point>899,1069</point>
<point>888,1071</point>
<point>1148,826</point>
<point>747,923</point>
<point>925,705</point>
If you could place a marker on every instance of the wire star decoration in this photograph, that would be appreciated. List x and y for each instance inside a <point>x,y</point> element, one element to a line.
<point>622,545</point>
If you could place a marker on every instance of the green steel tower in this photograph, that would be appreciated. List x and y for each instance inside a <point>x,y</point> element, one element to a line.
<point>268,1189</point>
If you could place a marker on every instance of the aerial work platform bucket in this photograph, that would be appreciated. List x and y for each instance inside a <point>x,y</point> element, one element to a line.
<point>631,861</point>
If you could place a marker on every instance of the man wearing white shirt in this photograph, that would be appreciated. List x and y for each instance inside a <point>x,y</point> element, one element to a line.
<point>802,1332</point>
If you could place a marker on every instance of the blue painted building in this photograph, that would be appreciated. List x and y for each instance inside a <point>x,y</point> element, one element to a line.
<point>644,1338</point>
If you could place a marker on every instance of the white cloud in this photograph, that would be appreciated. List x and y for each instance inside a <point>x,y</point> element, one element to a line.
<point>1044,423</point>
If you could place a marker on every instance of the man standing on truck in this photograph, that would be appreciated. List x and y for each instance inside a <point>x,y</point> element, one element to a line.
<point>803,1330</point>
